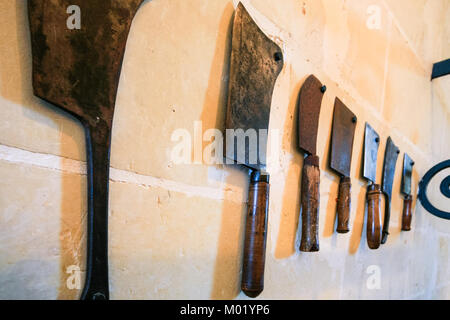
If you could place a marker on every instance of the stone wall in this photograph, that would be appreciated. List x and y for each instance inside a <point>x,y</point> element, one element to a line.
<point>176,231</point>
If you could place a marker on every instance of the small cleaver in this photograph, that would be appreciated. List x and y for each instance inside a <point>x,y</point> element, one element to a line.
<point>408,164</point>
<point>310,101</point>
<point>256,62</point>
<point>390,161</point>
<point>343,133</point>
<point>371,145</point>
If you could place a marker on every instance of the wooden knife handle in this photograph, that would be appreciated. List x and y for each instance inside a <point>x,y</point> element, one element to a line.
<point>374,216</point>
<point>255,235</point>
<point>310,204</point>
<point>407,213</point>
<point>343,205</point>
<point>96,286</point>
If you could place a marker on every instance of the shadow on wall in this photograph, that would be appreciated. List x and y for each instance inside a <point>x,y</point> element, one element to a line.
<point>290,212</point>
<point>359,222</point>
<point>228,266</point>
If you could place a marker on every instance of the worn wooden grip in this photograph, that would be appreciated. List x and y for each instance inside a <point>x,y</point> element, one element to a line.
<point>310,205</point>
<point>343,205</point>
<point>374,216</point>
<point>407,214</point>
<point>255,236</point>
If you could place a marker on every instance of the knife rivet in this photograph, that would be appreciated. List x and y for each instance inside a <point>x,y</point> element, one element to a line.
<point>354,119</point>
<point>277,56</point>
<point>377,140</point>
<point>323,89</point>
<point>398,151</point>
<point>413,163</point>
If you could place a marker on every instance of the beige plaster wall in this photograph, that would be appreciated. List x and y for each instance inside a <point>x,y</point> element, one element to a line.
<point>176,231</point>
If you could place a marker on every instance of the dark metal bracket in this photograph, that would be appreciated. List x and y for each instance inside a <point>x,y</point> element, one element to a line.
<point>441,69</point>
<point>444,187</point>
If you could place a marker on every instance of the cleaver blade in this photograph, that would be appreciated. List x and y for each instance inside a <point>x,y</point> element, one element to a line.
<point>310,101</point>
<point>390,161</point>
<point>344,125</point>
<point>408,164</point>
<point>371,144</point>
<point>256,62</point>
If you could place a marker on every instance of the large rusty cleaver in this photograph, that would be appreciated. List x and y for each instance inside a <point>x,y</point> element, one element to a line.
<point>343,133</point>
<point>78,71</point>
<point>371,145</point>
<point>310,101</point>
<point>255,64</point>
<point>408,164</point>
<point>390,161</point>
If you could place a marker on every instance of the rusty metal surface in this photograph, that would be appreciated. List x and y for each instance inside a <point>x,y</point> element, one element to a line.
<point>78,71</point>
<point>390,161</point>
<point>408,164</point>
<point>310,101</point>
<point>343,133</point>
<point>371,145</point>
<point>256,62</point>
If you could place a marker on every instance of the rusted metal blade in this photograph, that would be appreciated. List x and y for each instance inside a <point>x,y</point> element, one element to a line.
<point>390,161</point>
<point>408,164</point>
<point>310,101</point>
<point>371,144</point>
<point>79,69</point>
<point>344,125</point>
<point>256,62</point>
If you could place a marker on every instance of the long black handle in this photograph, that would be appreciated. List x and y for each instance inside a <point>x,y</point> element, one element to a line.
<point>98,143</point>
<point>255,235</point>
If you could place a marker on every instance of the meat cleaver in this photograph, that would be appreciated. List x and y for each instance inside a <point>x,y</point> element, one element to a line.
<point>408,164</point>
<point>256,62</point>
<point>343,133</point>
<point>390,161</point>
<point>310,101</point>
<point>371,145</point>
<point>78,71</point>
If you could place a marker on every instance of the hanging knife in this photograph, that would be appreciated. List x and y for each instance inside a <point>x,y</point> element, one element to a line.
<point>406,191</point>
<point>310,101</point>
<point>390,161</point>
<point>371,144</point>
<point>256,62</point>
<point>343,132</point>
<point>78,71</point>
